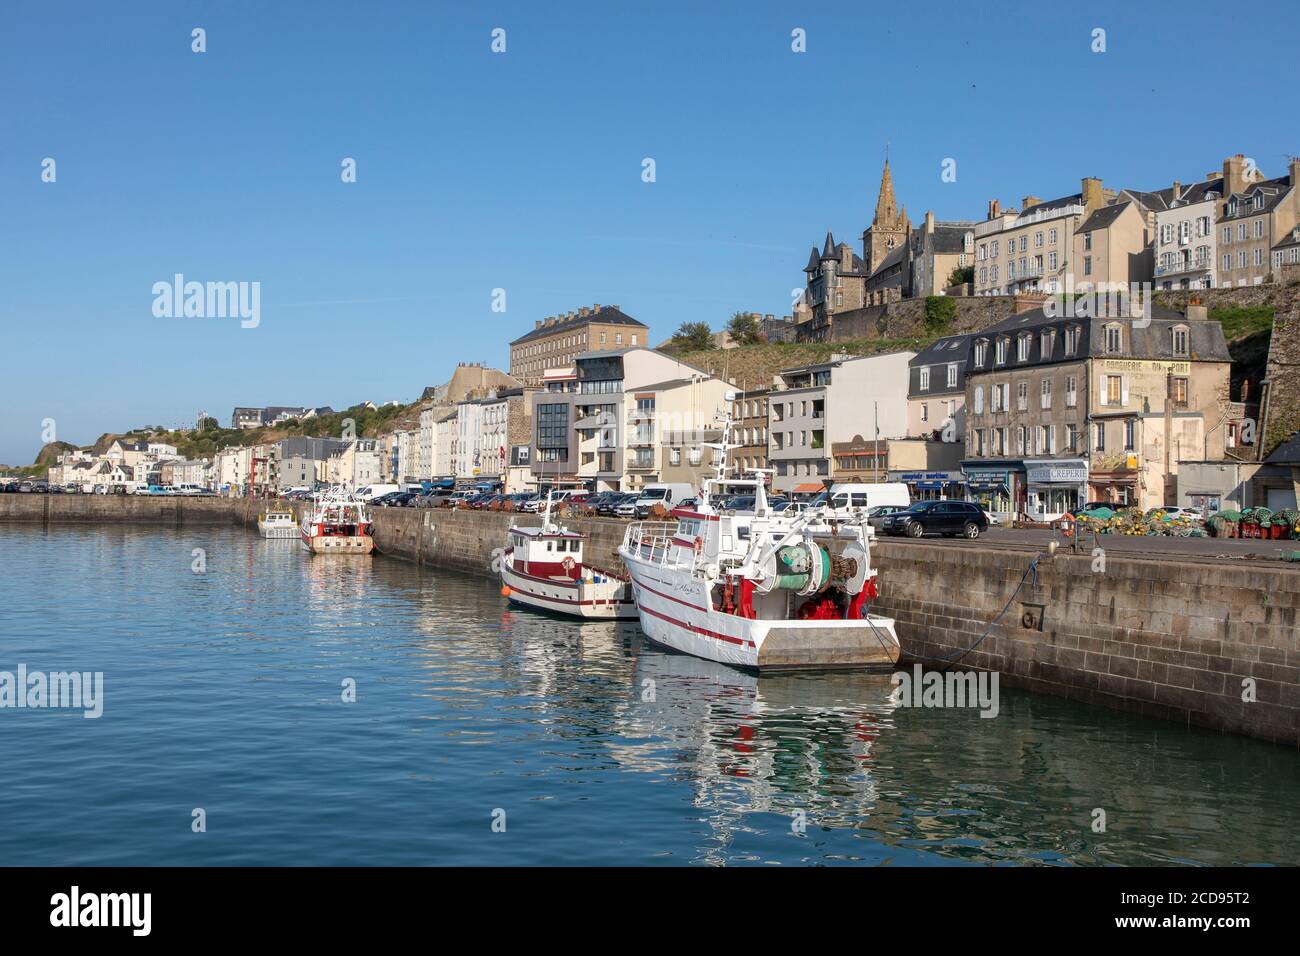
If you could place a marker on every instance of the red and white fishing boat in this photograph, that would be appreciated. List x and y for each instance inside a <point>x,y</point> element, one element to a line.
<point>337,524</point>
<point>759,589</point>
<point>543,567</point>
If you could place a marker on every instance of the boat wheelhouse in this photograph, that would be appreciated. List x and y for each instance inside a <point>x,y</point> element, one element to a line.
<point>274,523</point>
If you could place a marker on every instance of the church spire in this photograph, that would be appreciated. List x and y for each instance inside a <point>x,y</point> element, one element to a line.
<point>886,206</point>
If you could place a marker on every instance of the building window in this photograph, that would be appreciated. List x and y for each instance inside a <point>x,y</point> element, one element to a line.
<point>1087,262</point>
<point>952,374</point>
<point>1002,351</point>
<point>1114,338</point>
<point>981,353</point>
<point>925,411</point>
<point>1114,390</point>
<point>1130,434</point>
<point>925,377</point>
<point>1071,392</point>
<point>1180,340</point>
<point>979,399</point>
<point>1046,390</point>
<point>1099,436</point>
<point>1180,392</point>
<point>1022,349</point>
<point>1022,395</point>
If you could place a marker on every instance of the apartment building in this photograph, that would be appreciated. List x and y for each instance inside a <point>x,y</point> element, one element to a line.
<point>557,340</point>
<point>749,430</point>
<point>1185,239</point>
<point>1256,220</point>
<point>1112,245</point>
<point>939,248</point>
<point>1030,251</point>
<point>1067,409</point>
<point>604,421</point>
<point>814,406</point>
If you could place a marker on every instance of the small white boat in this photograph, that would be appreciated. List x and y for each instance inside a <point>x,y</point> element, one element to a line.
<point>543,568</point>
<point>277,524</point>
<point>758,589</point>
<point>337,524</point>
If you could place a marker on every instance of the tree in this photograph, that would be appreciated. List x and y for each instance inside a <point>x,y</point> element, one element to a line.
<point>939,313</point>
<point>744,329</point>
<point>694,336</point>
<point>961,274</point>
<point>208,424</point>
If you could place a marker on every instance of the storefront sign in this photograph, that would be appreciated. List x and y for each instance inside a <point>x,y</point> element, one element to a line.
<point>1057,474</point>
<point>1137,365</point>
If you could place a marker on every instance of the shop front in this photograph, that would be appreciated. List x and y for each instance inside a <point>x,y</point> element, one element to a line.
<point>996,487</point>
<point>931,485</point>
<point>1056,486</point>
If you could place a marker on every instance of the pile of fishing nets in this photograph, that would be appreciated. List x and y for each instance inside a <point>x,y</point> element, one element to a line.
<point>1258,522</point>
<point>1132,521</point>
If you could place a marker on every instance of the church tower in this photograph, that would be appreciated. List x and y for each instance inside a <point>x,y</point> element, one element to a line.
<point>889,229</point>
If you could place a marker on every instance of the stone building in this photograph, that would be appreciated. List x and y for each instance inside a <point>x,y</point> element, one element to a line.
<point>1256,218</point>
<point>1064,409</point>
<point>557,340</point>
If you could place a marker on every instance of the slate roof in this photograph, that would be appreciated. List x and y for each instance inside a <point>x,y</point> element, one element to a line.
<point>1274,189</point>
<point>609,315</point>
<point>950,237</point>
<point>1206,340</point>
<point>1103,218</point>
<point>1287,452</point>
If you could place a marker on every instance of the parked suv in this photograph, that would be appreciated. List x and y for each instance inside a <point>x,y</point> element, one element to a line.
<point>937,517</point>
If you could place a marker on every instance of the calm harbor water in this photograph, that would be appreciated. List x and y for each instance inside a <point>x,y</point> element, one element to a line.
<point>222,691</point>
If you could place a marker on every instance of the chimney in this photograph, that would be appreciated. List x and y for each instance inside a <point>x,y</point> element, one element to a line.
<point>1178,190</point>
<point>537,323</point>
<point>929,221</point>
<point>1294,170</point>
<point>1234,175</point>
<point>1027,302</point>
<point>995,208</point>
<point>1196,312</point>
<point>595,308</point>
<point>1093,198</point>
<point>1029,201</point>
<point>768,317</point>
<point>582,313</point>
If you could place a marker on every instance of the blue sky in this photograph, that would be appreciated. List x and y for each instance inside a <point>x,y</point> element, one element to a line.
<point>522,170</point>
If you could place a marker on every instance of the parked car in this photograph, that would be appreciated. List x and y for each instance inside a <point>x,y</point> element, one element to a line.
<point>876,515</point>
<point>992,518</point>
<point>1178,511</point>
<point>937,517</point>
<point>739,503</point>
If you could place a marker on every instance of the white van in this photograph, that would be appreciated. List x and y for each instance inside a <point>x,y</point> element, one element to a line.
<point>844,498</point>
<point>667,494</point>
<point>370,492</point>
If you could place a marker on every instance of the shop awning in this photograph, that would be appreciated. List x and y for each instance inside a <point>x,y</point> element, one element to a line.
<point>808,488</point>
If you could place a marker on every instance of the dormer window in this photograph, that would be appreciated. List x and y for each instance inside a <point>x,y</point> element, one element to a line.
<point>1045,344</point>
<point>1002,351</point>
<point>1232,207</point>
<point>1114,338</point>
<point>981,353</point>
<point>1022,348</point>
<point>1179,335</point>
<point>1071,339</point>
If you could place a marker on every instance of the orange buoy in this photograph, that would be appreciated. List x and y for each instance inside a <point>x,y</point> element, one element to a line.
<point>505,590</point>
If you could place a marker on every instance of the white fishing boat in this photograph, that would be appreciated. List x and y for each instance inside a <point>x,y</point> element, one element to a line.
<point>543,567</point>
<point>337,524</point>
<point>757,589</point>
<point>273,523</point>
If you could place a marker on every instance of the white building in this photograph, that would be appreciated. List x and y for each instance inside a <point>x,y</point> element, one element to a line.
<point>1185,237</point>
<point>815,406</point>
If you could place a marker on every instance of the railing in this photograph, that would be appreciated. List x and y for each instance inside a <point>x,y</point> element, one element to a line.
<point>651,540</point>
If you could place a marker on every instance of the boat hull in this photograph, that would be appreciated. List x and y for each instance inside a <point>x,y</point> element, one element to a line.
<point>675,611</point>
<point>277,530</point>
<point>607,600</point>
<point>354,544</point>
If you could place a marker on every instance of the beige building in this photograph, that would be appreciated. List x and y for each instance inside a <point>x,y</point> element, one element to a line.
<point>1111,248</point>
<point>1067,409</point>
<point>1185,239</point>
<point>1031,251</point>
<point>749,423</point>
<point>940,247</point>
<point>557,340</point>
<point>1256,216</point>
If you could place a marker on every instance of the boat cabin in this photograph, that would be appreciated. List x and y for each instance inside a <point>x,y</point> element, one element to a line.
<point>543,553</point>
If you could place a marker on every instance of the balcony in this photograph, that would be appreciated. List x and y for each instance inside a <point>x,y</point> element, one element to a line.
<point>641,464</point>
<point>1185,265</point>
